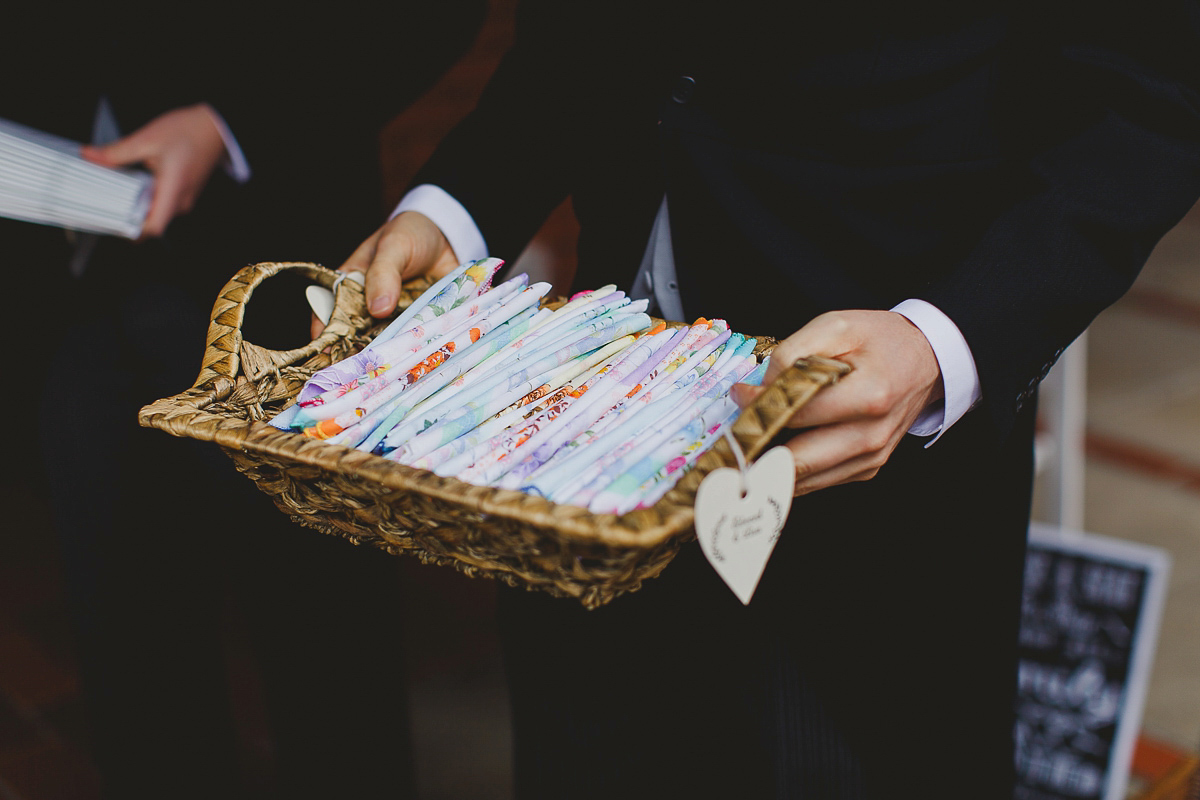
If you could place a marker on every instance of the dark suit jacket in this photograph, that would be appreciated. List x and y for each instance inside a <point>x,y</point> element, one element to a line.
<point>1004,166</point>
<point>1013,166</point>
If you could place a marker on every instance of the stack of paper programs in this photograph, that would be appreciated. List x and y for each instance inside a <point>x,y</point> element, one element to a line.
<point>591,404</point>
<point>43,179</point>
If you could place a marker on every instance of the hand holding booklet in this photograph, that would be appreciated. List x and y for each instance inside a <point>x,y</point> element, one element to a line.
<point>43,179</point>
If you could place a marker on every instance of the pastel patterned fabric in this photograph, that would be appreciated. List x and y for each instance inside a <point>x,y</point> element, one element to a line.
<point>587,402</point>
<point>466,281</point>
<point>336,409</point>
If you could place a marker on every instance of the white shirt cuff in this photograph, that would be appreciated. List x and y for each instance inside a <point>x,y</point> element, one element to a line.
<point>235,163</point>
<point>451,218</point>
<point>960,378</point>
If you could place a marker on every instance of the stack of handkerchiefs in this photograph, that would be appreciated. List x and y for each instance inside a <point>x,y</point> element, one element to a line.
<point>590,404</point>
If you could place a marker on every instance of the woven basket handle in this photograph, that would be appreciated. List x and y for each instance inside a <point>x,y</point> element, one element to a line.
<point>227,350</point>
<point>763,419</point>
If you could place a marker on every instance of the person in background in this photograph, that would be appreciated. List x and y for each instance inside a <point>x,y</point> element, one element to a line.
<point>261,126</point>
<point>942,198</point>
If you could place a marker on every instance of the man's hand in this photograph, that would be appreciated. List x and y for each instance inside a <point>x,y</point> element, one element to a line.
<point>181,147</point>
<point>852,427</point>
<point>407,246</point>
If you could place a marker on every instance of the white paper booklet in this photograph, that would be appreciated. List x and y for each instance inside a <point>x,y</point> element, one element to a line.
<point>43,179</point>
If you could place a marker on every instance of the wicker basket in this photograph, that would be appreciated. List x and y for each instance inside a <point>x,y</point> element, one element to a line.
<point>509,535</point>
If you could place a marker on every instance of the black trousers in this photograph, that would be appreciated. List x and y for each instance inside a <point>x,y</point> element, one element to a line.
<point>877,659</point>
<point>163,543</point>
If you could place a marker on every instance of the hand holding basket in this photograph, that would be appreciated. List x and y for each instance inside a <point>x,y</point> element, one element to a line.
<point>515,537</point>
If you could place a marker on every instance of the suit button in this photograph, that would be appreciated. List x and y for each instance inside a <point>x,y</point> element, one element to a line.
<point>1023,398</point>
<point>685,87</point>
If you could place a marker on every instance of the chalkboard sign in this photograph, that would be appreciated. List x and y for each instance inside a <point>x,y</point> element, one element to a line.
<point>1089,625</point>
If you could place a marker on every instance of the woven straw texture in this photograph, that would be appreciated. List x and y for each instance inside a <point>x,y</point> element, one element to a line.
<point>520,539</point>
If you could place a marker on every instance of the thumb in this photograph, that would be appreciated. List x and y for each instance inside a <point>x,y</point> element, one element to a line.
<point>129,150</point>
<point>164,206</point>
<point>832,335</point>
<point>744,394</point>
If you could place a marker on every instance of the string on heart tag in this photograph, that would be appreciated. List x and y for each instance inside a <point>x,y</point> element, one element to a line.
<point>740,456</point>
<point>740,514</point>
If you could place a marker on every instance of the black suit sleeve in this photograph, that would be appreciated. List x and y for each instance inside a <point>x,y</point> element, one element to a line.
<point>564,114</point>
<point>1121,168</point>
<point>306,98</point>
<point>510,161</point>
<point>277,80</point>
